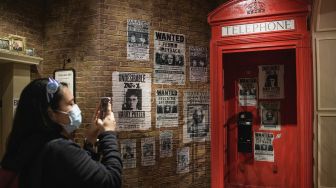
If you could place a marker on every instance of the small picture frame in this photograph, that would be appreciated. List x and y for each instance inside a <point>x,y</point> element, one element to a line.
<point>4,43</point>
<point>17,43</point>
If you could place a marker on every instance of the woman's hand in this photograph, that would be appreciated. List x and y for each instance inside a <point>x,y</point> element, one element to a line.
<point>108,123</point>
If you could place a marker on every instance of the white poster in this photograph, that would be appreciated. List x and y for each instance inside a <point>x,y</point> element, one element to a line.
<point>199,64</point>
<point>263,146</point>
<point>270,115</point>
<point>196,116</point>
<point>148,151</point>
<point>271,82</point>
<point>166,144</point>
<point>169,58</point>
<point>128,153</point>
<point>247,91</point>
<point>137,43</point>
<point>183,160</point>
<point>131,100</point>
<point>166,108</point>
<point>67,76</point>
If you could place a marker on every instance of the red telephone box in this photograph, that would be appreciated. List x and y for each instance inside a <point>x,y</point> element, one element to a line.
<point>261,94</point>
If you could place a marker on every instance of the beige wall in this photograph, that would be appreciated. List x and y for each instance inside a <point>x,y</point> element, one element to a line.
<point>324,39</point>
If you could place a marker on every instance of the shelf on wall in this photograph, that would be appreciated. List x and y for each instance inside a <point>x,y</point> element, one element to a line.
<point>8,56</point>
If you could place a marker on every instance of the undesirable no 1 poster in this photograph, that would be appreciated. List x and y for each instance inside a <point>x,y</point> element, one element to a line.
<point>169,58</point>
<point>247,91</point>
<point>199,64</point>
<point>148,151</point>
<point>197,116</point>
<point>166,144</point>
<point>131,100</point>
<point>166,108</point>
<point>128,153</point>
<point>183,160</point>
<point>271,82</point>
<point>137,40</point>
<point>263,146</point>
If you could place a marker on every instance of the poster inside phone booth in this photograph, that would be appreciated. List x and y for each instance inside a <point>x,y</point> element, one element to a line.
<point>261,77</point>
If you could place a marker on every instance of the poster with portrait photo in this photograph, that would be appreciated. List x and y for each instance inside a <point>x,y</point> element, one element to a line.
<point>183,160</point>
<point>263,146</point>
<point>128,153</point>
<point>137,40</point>
<point>270,115</point>
<point>199,64</point>
<point>247,91</point>
<point>131,100</point>
<point>271,82</point>
<point>166,144</point>
<point>148,151</point>
<point>196,116</point>
<point>169,58</point>
<point>166,108</point>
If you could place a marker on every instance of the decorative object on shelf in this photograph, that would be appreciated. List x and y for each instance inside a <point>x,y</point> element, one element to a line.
<point>4,43</point>
<point>30,51</point>
<point>17,43</point>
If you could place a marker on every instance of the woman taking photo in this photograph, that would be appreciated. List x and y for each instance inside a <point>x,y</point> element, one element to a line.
<point>40,149</point>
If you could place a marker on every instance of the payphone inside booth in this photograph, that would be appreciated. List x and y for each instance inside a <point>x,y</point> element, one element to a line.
<point>261,94</point>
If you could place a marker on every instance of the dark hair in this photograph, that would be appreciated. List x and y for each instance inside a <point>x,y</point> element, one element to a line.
<point>31,117</point>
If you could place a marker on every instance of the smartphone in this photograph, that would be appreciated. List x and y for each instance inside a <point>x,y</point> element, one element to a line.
<point>103,106</point>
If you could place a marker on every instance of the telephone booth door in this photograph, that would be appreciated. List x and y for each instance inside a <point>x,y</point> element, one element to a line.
<point>261,82</point>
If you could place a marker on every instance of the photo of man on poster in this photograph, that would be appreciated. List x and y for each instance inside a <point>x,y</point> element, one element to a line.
<point>133,100</point>
<point>197,126</point>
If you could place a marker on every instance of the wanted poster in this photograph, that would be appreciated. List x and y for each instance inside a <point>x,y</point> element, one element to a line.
<point>183,160</point>
<point>131,100</point>
<point>169,58</point>
<point>198,64</point>
<point>196,116</point>
<point>166,144</point>
<point>247,91</point>
<point>148,151</point>
<point>128,153</point>
<point>137,40</point>
<point>270,115</point>
<point>271,80</point>
<point>263,146</point>
<point>166,108</point>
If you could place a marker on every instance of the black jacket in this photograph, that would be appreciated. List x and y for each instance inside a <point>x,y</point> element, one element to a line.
<point>62,163</point>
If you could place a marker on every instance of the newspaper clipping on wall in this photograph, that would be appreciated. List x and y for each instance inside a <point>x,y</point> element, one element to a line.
<point>148,151</point>
<point>131,100</point>
<point>270,115</point>
<point>197,116</point>
<point>247,91</point>
<point>169,58</point>
<point>183,160</point>
<point>271,80</point>
<point>263,146</point>
<point>199,64</point>
<point>128,153</point>
<point>166,144</point>
<point>166,108</point>
<point>137,40</point>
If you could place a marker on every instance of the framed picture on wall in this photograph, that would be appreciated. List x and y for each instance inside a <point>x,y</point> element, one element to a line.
<point>67,76</point>
<point>17,43</point>
<point>4,43</point>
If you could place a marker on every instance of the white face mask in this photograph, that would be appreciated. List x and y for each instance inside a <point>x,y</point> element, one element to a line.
<point>75,117</point>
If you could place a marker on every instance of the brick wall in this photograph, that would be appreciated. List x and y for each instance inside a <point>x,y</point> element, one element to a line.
<point>92,34</point>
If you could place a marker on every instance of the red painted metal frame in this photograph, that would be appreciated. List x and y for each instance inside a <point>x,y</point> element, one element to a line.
<point>232,13</point>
